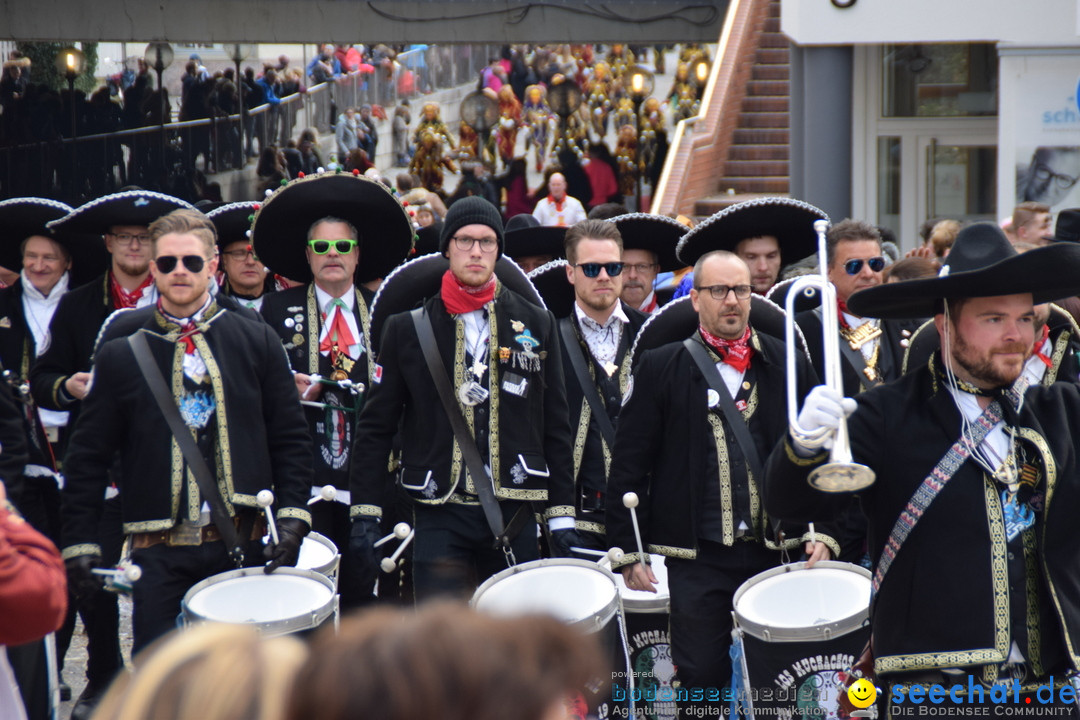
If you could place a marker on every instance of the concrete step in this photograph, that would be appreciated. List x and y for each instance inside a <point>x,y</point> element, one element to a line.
<point>773,56</point>
<point>772,88</point>
<point>770,72</point>
<point>760,152</point>
<point>756,168</point>
<point>764,104</point>
<point>762,136</point>
<point>762,120</point>
<point>774,40</point>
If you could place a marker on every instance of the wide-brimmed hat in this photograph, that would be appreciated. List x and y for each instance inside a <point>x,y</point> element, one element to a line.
<point>131,207</point>
<point>233,222</point>
<point>790,221</point>
<point>412,283</point>
<point>526,237</point>
<point>982,263</point>
<point>279,230</point>
<point>808,299</point>
<point>21,218</point>
<point>1067,228</point>
<point>551,282</point>
<point>657,233</point>
<point>678,320</point>
<point>427,239</point>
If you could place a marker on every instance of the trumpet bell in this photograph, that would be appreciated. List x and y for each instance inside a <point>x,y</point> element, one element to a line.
<point>837,477</point>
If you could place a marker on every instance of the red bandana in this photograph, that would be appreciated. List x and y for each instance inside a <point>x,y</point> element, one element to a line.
<point>557,203</point>
<point>651,306</point>
<point>460,298</point>
<point>1039,342</point>
<point>339,334</point>
<point>187,329</point>
<point>841,308</point>
<point>121,298</point>
<point>736,353</point>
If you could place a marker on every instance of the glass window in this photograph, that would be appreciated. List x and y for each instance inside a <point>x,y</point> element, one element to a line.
<point>962,182</point>
<point>888,183</point>
<point>939,80</point>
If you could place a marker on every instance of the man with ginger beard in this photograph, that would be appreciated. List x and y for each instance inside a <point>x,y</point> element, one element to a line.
<point>971,511</point>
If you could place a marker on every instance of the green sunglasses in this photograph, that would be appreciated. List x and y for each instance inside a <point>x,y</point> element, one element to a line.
<point>343,247</point>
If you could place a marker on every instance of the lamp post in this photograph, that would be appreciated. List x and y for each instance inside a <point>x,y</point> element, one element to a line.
<point>71,63</point>
<point>238,52</point>
<point>159,55</point>
<point>564,98</point>
<point>638,81</point>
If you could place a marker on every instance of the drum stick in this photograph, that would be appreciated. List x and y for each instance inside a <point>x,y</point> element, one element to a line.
<point>326,492</point>
<point>813,534</point>
<point>401,531</point>
<point>389,564</point>
<point>315,380</point>
<point>587,551</point>
<point>265,498</point>
<point>630,500</point>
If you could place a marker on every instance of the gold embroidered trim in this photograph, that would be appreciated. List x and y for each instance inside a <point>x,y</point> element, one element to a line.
<point>1031,583</point>
<point>794,458</point>
<point>580,437</point>
<point>1060,346</point>
<point>671,551</point>
<point>934,661</point>
<point>589,526</point>
<point>558,511</point>
<point>72,551</point>
<point>298,513</point>
<point>223,451</point>
<point>365,511</point>
<point>999,570</point>
<point>149,526</point>
<point>724,472</point>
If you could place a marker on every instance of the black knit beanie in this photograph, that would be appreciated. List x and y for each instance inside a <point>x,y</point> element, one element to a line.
<point>471,210</point>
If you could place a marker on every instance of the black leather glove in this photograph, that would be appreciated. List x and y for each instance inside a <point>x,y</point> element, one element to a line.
<point>362,538</point>
<point>286,551</point>
<point>81,579</point>
<point>563,540</point>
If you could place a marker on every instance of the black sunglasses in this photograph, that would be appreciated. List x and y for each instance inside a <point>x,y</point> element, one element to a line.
<point>591,270</point>
<point>854,267</point>
<point>167,263</point>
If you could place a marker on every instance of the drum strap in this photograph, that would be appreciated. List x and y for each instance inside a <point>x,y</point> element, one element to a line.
<point>195,461</point>
<point>588,387</point>
<point>485,488</point>
<point>727,406</point>
<point>938,477</point>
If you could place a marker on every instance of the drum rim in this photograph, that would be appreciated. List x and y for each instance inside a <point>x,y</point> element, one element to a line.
<point>594,622</point>
<point>307,621</point>
<point>330,567</point>
<point>829,630</point>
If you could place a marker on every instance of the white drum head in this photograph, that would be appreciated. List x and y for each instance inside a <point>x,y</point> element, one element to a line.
<point>284,601</point>
<point>641,601</point>
<point>573,591</point>
<point>791,603</point>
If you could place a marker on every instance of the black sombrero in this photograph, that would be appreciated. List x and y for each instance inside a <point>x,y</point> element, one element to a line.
<point>1067,227</point>
<point>678,320</point>
<point>427,239</point>
<point>131,207</point>
<point>525,237</point>
<point>551,282</point>
<point>279,230</point>
<point>21,218</point>
<point>657,233</point>
<point>981,263</point>
<point>790,221</point>
<point>233,222</point>
<point>413,282</point>
<point>808,299</point>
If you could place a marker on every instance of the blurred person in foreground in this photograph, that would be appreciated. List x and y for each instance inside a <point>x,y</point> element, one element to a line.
<point>444,661</point>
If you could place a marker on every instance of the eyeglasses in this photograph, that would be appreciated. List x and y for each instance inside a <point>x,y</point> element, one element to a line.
<point>239,255</point>
<point>343,247</point>
<point>128,239</point>
<point>167,263</point>
<point>1046,175</point>
<point>487,244</point>
<point>640,268</point>
<point>854,267</point>
<point>720,292</point>
<point>591,270</point>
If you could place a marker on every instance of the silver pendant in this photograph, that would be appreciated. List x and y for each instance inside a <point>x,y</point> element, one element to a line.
<point>713,398</point>
<point>471,393</point>
<point>478,369</point>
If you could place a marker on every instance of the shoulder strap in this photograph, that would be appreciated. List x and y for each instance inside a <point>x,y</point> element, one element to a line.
<point>588,387</point>
<point>734,417</point>
<point>485,488</point>
<point>195,461</point>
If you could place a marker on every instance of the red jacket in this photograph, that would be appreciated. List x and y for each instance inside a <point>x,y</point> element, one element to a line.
<point>33,584</point>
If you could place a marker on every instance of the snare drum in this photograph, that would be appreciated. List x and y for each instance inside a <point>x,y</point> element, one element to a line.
<point>580,593</point>
<point>799,630</point>
<point>649,642</point>
<point>286,601</point>
<point>320,554</point>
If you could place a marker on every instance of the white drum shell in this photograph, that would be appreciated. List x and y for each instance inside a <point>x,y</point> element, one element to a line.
<point>639,601</point>
<point>319,553</point>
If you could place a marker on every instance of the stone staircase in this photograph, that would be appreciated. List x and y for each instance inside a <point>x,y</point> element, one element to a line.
<point>757,159</point>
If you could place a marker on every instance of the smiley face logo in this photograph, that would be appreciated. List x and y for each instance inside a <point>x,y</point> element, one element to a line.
<point>862,693</point>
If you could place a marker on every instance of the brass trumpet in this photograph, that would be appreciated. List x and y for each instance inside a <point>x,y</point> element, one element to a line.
<point>841,473</point>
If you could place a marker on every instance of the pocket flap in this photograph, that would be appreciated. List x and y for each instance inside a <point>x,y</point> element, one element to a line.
<point>415,479</point>
<point>534,465</point>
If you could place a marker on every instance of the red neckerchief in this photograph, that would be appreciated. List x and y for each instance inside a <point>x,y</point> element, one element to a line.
<point>650,308</point>
<point>1039,342</point>
<point>339,335</point>
<point>187,329</point>
<point>460,298</point>
<point>557,203</point>
<point>841,308</point>
<point>121,298</point>
<point>736,353</point>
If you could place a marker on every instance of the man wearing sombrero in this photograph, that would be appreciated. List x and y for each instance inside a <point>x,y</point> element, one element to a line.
<point>649,244</point>
<point>332,231</point>
<point>972,510</point>
<point>244,277</point>
<point>60,377</point>
<point>482,350</point>
<point>530,244</point>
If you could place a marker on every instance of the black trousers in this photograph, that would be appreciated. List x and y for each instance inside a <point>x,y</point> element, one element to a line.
<point>454,550</point>
<point>167,574</point>
<point>702,593</point>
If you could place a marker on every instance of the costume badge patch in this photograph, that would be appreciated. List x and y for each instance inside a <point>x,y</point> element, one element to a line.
<point>515,384</point>
<point>377,376</point>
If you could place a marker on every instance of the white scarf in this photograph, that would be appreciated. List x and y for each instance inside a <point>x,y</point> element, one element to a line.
<point>39,308</point>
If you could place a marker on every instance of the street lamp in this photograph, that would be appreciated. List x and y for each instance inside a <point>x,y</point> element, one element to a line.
<point>700,76</point>
<point>238,53</point>
<point>638,81</point>
<point>71,63</point>
<point>564,98</point>
<point>159,55</point>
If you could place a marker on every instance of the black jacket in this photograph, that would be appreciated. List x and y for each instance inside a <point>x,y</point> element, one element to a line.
<point>944,601</point>
<point>262,438</point>
<point>525,417</point>
<point>665,448</point>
